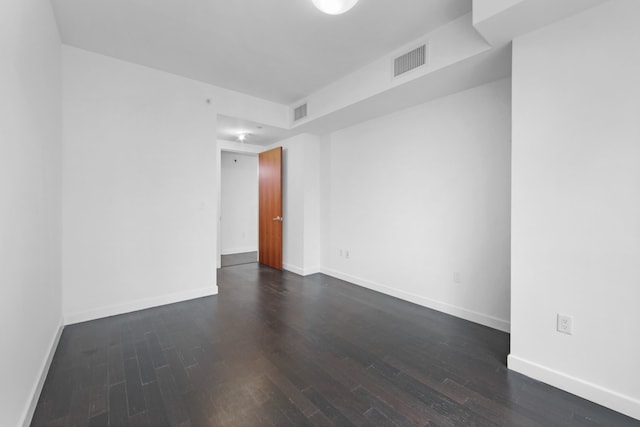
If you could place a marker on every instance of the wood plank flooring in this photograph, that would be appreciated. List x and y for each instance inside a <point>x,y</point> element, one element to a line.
<point>239,258</point>
<point>276,349</point>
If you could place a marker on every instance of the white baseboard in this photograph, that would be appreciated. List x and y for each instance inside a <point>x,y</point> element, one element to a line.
<point>292,268</point>
<point>312,270</point>
<point>611,399</point>
<point>37,388</point>
<point>473,316</point>
<point>238,250</point>
<point>301,271</point>
<point>140,304</point>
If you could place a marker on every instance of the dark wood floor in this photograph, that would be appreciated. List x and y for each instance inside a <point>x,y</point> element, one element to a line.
<point>237,259</point>
<point>277,349</point>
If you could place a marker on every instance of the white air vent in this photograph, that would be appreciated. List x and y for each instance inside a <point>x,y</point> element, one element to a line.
<point>410,61</point>
<point>300,112</point>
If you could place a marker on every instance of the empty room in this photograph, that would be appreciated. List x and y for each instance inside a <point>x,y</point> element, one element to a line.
<point>319,212</point>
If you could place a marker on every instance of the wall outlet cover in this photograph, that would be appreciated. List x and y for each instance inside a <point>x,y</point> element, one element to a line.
<point>565,324</point>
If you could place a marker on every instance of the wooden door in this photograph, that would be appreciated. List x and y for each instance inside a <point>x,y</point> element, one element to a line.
<point>270,208</point>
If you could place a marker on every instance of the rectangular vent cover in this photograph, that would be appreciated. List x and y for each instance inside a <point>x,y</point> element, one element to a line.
<point>300,112</point>
<point>410,60</point>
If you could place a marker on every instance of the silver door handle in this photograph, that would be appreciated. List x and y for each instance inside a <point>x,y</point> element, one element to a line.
<point>278,218</point>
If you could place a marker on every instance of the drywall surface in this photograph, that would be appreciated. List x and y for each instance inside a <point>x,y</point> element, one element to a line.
<point>300,203</point>
<point>419,204</point>
<point>485,9</point>
<point>576,211</point>
<point>312,207</point>
<point>293,204</point>
<point>239,203</point>
<point>30,223</point>
<point>448,46</point>
<point>139,187</point>
<point>500,21</point>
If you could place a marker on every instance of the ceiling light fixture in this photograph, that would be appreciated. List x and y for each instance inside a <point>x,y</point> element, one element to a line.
<point>334,7</point>
<point>242,137</point>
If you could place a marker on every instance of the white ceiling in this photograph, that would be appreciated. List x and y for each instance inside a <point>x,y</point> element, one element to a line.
<point>228,129</point>
<point>280,50</point>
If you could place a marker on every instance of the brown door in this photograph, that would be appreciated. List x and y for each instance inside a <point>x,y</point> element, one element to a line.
<point>270,208</point>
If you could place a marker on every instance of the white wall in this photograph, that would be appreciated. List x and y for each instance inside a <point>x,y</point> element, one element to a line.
<point>418,196</point>
<point>312,205</point>
<point>30,224</point>
<point>576,210</point>
<point>139,187</point>
<point>293,204</point>
<point>239,202</point>
<point>301,203</point>
<point>140,183</point>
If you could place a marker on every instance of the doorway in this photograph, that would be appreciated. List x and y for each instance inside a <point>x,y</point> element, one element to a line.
<point>238,208</point>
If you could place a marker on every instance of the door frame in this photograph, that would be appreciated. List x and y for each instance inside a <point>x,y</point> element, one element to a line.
<point>230,147</point>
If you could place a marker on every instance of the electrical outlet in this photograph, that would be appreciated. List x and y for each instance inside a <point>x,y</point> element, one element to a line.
<point>346,254</point>
<point>456,277</point>
<point>340,252</point>
<point>565,324</point>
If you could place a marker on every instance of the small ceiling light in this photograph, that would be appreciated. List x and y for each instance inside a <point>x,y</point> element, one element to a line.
<point>243,137</point>
<point>334,7</point>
